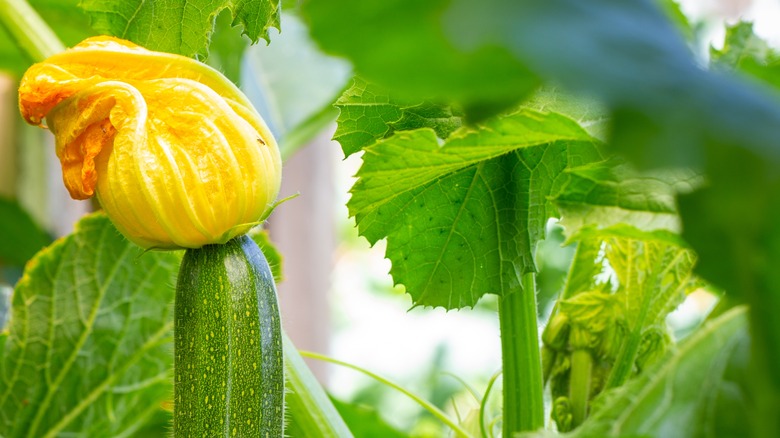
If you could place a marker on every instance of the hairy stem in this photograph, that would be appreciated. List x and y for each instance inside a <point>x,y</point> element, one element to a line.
<point>522,366</point>
<point>28,29</point>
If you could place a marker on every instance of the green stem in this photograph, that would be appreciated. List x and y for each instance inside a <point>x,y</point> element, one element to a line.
<point>28,29</point>
<point>433,410</point>
<point>522,366</point>
<point>310,410</point>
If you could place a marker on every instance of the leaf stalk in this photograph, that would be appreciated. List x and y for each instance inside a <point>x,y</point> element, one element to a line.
<point>522,365</point>
<point>28,29</point>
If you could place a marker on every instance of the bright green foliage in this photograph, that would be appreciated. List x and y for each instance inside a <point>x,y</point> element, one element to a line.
<point>591,115</point>
<point>367,114</point>
<point>64,17</point>
<point>20,236</point>
<point>88,348</point>
<point>462,219</point>
<point>679,396</point>
<point>616,314</point>
<point>609,193</point>
<point>747,53</point>
<point>179,26</point>
<point>404,45</point>
<point>691,392</point>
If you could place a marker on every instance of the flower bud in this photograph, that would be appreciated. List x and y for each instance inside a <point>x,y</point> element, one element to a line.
<point>174,152</point>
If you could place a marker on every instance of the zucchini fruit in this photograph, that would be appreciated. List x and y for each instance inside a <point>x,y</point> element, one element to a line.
<point>229,371</point>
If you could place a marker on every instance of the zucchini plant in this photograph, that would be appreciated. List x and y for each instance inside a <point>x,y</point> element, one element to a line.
<point>477,123</point>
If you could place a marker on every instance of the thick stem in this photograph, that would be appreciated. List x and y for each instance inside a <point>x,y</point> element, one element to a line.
<point>28,29</point>
<point>522,366</point>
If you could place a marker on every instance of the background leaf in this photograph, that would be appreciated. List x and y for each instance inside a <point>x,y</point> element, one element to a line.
<point>179,26</point>
<point>365,421</point>
<point>20,236</point>
<point>463,219</point>
<point>88,349</point>
<point>65,18</point>
<point>609,193</point>
<point>612,316</point>
<point>677,397</point>
<point>744,52</point>
<point>589,113</point>
<point>227,47</point>
<point>402,45</point>
<point>294,85</point>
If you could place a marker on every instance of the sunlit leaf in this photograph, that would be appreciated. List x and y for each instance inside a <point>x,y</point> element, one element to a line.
<point>462,219</point>
<point>676,397</point>
<point>624,284</point>
<point>589,113</point>
<point>179,26</point>
<point>685,394</point>
<point>610,193</point>
<point>368,114</point>
<point>88,350</point>
<point>746,53</point>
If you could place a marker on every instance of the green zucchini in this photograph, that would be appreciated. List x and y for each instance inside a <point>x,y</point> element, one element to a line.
<point>229,371</point>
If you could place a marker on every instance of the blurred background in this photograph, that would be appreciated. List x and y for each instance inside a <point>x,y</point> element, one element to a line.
<point>337,297</point>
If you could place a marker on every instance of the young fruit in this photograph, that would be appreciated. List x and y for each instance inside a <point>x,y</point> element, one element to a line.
<point>229,373</point>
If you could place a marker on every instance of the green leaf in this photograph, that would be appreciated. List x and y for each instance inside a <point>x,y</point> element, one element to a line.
<point>746,53</point>
<point>294,85</point>
<point>627,54</point>
<point>402,45</point>
<point>613,312</point>
<point>666,109</point>
<point>462,219</point>
<point>227,47</point>
<point>179,26</point>
<point>610,193</point>
<point>20,236</point>
<point>368,114</point>
<point>732,224</point>
<point>589,113</point>
<point>88,350</point>
<point>676,397</point>
<point>64,17</point>
<point>364,421</point>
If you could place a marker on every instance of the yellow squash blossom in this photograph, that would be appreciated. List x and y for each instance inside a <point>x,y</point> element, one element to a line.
<point>174,152</point>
